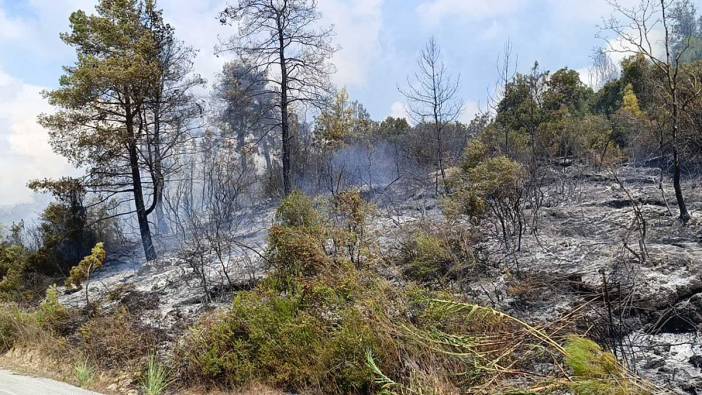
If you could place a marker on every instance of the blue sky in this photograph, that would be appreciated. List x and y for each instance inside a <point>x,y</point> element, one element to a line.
<point>379,42</point>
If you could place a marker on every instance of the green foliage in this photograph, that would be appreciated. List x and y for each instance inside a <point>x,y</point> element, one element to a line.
<point>20,326</point>
<point>493,184</point>
<point>14,268</point>
<point>156,379</point>
<point>335,124</point>
<point>393,127</point>
<point>84,373</point>
<point>587,360</point>
<point>297,210</point>
<point>51,314</point>
<point>596,371</point>
<point>608,99</point>
<point>476,152</point>
<point>282,341</point>
<point>296,251</point>
<point>331,327</point>
<point>497,178</point>
<point>565,91</point>
<point>297,242</point>
<point>349,214</point>
<point>642,75</point>
<point>630,102</point>
<point>86,266</point>
<point>15,324</point>
<point>448,253</point>
<point>384,383</point>
<point>520,110</point>
<point>116,56</point>
<point>589,138</point>
<point>306,326</point>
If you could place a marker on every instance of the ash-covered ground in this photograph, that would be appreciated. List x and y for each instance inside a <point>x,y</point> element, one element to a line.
<point>584,257</point>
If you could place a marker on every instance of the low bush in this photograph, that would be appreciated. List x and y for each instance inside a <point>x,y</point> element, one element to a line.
<point>349,213</point>
<point>328,326</point>
<point>116,340</point>
<point>294,342</point>
<point>42,326</point>
<point>53,315</point>
<point>15,324</point>
<point>310,329</point>
<point>296,251</point>
<point>298,211</point>
<point>14,272</point>
<point>427,257</point>
<point>444,252</point>
<point>597,371</point>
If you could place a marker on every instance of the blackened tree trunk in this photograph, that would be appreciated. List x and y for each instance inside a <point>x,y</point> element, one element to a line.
<point>284,116</point>
<point>142,214</point>
<point>284,36</point>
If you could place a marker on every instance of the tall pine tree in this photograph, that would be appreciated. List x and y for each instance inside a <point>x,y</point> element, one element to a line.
<point>100,124</point>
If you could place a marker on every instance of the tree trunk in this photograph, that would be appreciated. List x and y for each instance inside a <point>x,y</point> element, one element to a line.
<point>241,145</point>
<point>267,155</point>
<point>684,215</point>
<point>142,215</point>
<point>284,121</point>
<point>158,177</point>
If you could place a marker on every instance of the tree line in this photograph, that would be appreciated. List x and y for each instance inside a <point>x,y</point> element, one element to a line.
<point>129,114</point>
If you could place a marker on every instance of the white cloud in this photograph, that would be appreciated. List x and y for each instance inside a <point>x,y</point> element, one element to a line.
<point>399,110</point>
<point>25,153</point>
<point>469,111</point>
<point>432,12</point>
<point>10,28</point>
<point>196,23</point>
<point>591,11</point>
<point>357,24</point>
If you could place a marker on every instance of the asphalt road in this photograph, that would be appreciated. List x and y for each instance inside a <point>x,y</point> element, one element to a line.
<point>13,384</point>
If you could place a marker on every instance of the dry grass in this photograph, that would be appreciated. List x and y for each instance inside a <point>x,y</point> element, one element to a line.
<point>117,340</point>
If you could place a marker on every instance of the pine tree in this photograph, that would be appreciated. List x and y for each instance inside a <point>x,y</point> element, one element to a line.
<point>100,125</point>
<point>630,102</point>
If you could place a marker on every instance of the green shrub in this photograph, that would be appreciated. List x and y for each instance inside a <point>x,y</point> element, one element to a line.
<point>87,265</point>
<point>443,253</point>
<point>311,338</point>
<point>295,251</point>
<point>263,338</point>
<point>15,324</point>
<point>350,213</point>
<point>20,326</point>
<point>14,266</point>
<point>493,185</point>
<point>297,210</point>
<point>427,257</point>
<point>596,371</point>
<point>52,314</point>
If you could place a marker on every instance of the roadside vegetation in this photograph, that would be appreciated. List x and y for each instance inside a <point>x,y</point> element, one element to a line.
<point>354,300</point>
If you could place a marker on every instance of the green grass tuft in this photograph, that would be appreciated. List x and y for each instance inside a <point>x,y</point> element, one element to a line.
<point>84,373</point>
<point>156,379</point>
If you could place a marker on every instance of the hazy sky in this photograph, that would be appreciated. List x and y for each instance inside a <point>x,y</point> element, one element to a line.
<point>378,39</point>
